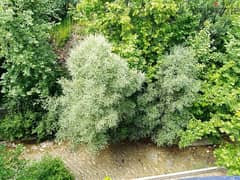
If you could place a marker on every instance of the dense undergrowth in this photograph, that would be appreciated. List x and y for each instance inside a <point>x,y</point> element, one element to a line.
<point>167,70</point>
<point>61,32</point>
<point>12,166</point>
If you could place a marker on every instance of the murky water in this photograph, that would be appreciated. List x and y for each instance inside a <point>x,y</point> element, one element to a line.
<point>125,160</point>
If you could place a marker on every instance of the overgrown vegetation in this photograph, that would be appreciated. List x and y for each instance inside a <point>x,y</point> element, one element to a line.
<point>12,166</point>
<point>141,31</point>
<point>217,109</point>
<point>164,107</point>
<point>171,73</point>
<point>97,97</point>
<point>30,71</point>
<point>18,126</point>
<point>61,32</point>
<point>228,157</point>
<point>47,168</point>
<point>10,163</point>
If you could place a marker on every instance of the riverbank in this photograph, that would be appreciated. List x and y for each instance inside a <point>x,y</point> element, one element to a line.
<point>124,160</point>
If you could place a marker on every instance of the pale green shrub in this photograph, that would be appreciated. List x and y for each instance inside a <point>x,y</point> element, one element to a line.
<point>96,98</point>
<point>164,107</point>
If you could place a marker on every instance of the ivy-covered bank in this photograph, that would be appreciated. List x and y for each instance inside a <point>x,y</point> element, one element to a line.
<point>165,70</point>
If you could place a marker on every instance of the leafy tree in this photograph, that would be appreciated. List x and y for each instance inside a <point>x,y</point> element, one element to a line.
<point>96,98</point>
<point>141,31</point>
<point>29,62</point>
<point>163,110</point>
<point>217,109</point>
<point>222,106</point>
<point>29,68</point>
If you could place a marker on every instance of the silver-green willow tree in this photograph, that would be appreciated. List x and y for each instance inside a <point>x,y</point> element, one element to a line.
<point>95,99</point>
<point>164,107</point>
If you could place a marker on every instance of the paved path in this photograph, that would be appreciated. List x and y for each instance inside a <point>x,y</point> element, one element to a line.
<point>212,171</point>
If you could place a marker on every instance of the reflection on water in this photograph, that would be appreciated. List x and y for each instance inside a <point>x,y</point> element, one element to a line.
<point>125,160</point>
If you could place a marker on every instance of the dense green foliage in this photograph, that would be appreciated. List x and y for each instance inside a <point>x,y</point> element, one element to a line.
<point>18,126</point>
<point>48,126</point>
<point>165,103</point>
<point>47,168</point>
<point>228,157</point>
<point>140,31</point>
<point>188,50</point>
<point>10,163</point>
<point>28,60</point>
<point>162,110</point>
<point>28,126</point>
<point>12,166</point>
<point>96,98</point>
<point>217,109</point>
<point>143,30</point>
<point>219,105</point>
<point>62,32</point>
<point>30,71</point>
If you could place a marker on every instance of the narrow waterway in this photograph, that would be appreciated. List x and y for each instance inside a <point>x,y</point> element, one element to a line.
<point>125,160</point>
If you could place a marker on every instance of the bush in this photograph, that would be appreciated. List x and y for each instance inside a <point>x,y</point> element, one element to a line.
<point>49,125</point>
<point>96,98</point>
<point>19,126</point>
<point>10,163</point>
<point>164,107</point>
<point>47,168</point>
<point>12,166</point>
<point>228,156</point>
<point>143,30</point>
<point>28,126</point>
